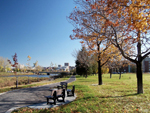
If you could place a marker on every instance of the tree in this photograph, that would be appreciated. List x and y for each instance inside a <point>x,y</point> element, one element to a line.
<point>73,71</point>
<point>127,25</point>
<point>35,64</point>
<point>24,69</point>
<point>94,68</point>
<point>28,64</point>
<point>55,67</point>
<point>15,66</point>
<point>51,65</point>
<point>133,68</point>
<point>80,70</point>
<point>92,34</point>
<point>38,68</point>
<point>105,69</point>
<point>4,64</point>
<point>110,65</point>
<point>118,63</point>
<point>83,62</point>
<point>94,64</point>
<point>121,64</point>
<point>1,63</point>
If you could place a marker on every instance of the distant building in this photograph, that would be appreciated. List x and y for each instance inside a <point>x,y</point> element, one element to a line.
<point>59,65</point>
<point>132,67</point>
<point>71,68</point>
<point>63,68</point>
<point>21,66</point>
<point>146,64</point>
<point>66,64</point>
<point>66,67</point>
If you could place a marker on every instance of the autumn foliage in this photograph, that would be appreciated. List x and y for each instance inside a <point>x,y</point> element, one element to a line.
<point>124,24</point>
<point>15,66</point>
<point>15,61</point>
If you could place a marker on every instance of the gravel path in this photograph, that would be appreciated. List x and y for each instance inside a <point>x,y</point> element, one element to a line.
<point>27,96</point>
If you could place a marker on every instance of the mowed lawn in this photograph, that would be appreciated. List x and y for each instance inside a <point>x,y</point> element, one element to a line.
<point>114,96</point>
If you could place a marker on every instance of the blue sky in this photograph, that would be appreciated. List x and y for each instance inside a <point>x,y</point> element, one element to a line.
<point>38,28</point>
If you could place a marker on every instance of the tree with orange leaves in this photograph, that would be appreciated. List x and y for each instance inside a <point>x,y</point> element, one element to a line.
<point>92,35</point>
<point>127,26</point>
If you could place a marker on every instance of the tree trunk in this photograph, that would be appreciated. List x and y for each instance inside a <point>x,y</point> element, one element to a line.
<point>110,73</point>
<point>99,66</point>
<point>16,82</point>
<point>139,68</point>
<point>120,74</point>
<point>139,78</point>
<point>99,73</point>
<point>86,74</point>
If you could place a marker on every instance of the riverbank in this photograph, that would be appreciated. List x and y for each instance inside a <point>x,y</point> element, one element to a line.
<point>8,83</point>
<point>11,73</point>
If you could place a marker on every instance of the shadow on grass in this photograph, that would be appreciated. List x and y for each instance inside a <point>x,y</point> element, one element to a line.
<point>134,94</point>
<point>86,81</point>
<point>101,99</point>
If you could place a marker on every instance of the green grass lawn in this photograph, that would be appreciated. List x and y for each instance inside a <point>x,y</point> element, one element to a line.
<point>114,96</point>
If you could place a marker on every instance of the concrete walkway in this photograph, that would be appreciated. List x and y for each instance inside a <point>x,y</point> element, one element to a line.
<point>27,97</point>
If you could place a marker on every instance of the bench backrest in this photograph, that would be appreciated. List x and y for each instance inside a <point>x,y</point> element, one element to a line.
<point>73,88</point>
<point>63,84</point>
<point>63,92</point>
<point>59,91</point>
<point>54,93</point>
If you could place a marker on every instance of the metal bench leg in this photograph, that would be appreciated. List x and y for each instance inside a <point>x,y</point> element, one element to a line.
<point>47,100</point>
<point>54,101</point>
<point>73,93</point>
<point>63,99</point>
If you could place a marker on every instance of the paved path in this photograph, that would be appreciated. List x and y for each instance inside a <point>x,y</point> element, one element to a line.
<point>27,96</point>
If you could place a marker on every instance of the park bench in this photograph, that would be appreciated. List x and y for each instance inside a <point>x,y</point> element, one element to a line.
<point>55,95</point>
<point>52,96</point>
<point>70,92</point>
<point>62,85</point>
<point>61,93</point>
